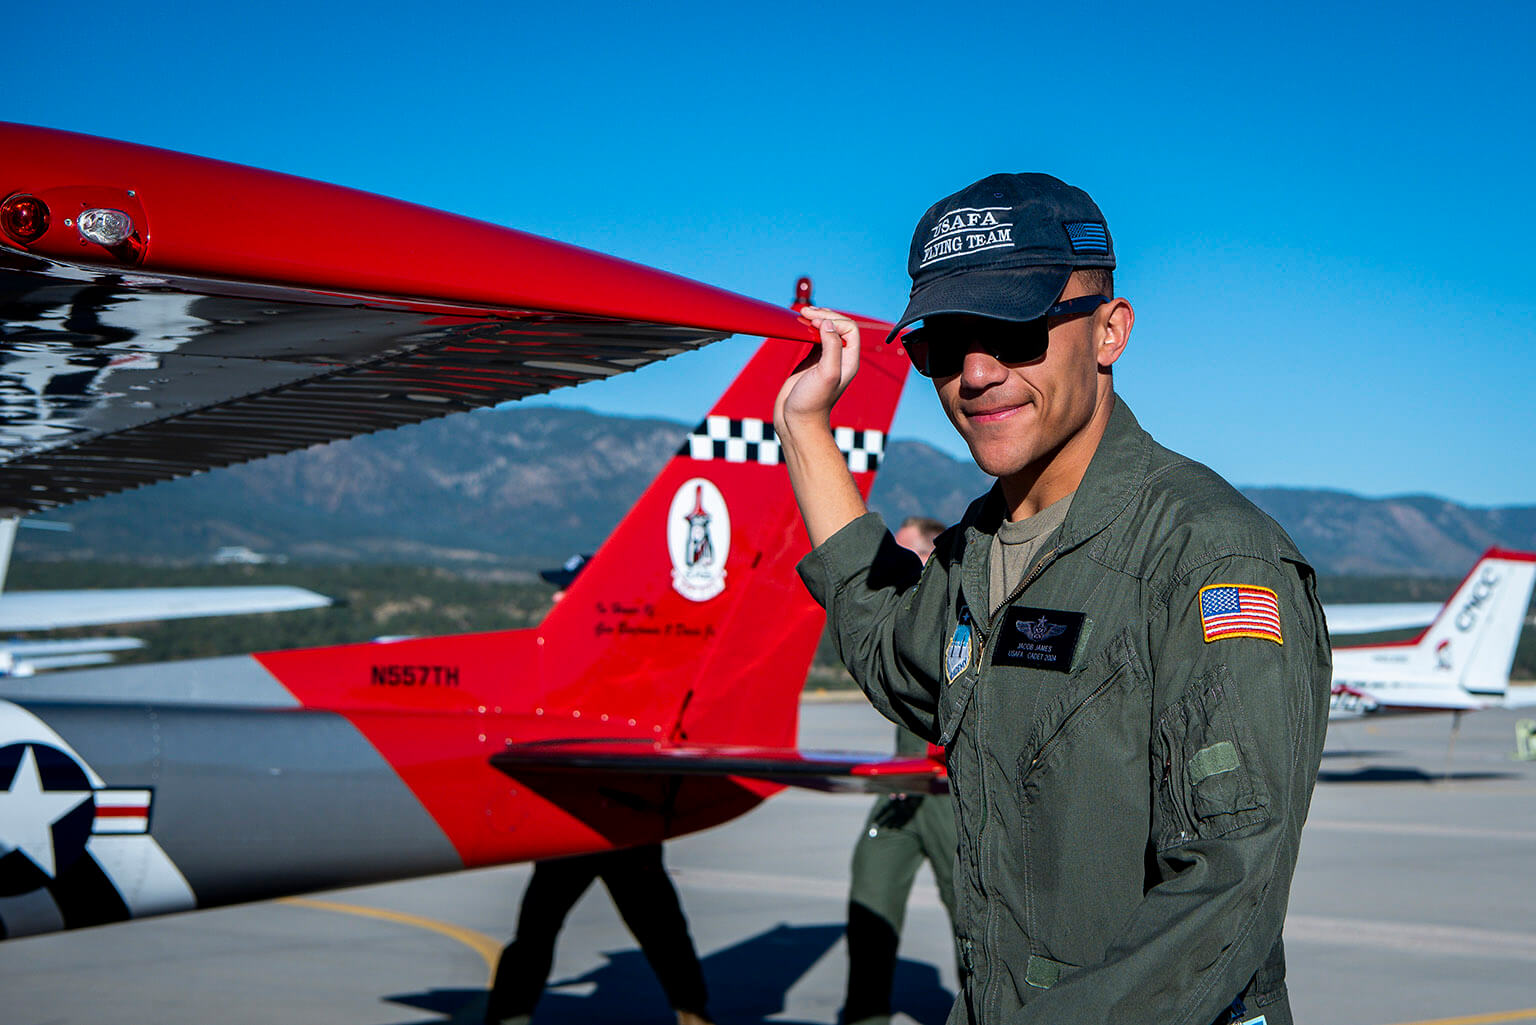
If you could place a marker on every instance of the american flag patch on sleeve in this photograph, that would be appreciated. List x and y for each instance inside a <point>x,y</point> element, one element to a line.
<point>1238,610</point>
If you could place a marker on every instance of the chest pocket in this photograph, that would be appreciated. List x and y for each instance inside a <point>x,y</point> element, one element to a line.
<point>1207,788</point>
<point>1094,691</point>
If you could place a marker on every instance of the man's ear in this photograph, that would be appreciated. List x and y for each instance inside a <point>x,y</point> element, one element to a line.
<point>1118,318</point>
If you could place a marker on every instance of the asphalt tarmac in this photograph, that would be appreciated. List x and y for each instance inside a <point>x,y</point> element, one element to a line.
<point>1414,902</point>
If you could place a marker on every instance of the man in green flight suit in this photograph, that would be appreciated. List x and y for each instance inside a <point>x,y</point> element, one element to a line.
<point>1125,660</point>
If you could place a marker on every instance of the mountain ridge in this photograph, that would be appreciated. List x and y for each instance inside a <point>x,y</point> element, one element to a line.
<point>523,487</point>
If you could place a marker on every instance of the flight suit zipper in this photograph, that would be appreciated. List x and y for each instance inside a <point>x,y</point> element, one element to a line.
<point>1029,578</point>
<point>1174,794</point>
<point>986,796</point>
<point>1056,734</point>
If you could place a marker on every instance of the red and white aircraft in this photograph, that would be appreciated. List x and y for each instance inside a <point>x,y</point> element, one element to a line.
<point>165,314</point>
<point>1459,663</point>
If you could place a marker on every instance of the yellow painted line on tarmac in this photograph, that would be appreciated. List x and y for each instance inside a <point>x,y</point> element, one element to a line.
<point>1480,1019</point>
<point>488,947</point>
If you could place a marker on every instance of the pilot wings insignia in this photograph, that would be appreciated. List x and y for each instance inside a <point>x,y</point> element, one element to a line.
<point>1040,629</point>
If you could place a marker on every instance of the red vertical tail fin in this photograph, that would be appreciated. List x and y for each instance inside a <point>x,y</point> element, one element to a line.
<point>690,620</point>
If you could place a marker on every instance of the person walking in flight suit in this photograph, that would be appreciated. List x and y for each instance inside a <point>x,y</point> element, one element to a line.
<point>645,898</point>
<point>901,831</point>
<point>642,893</point>
<point>1125,660</point>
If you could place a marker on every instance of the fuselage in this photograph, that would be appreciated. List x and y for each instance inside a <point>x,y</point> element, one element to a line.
<point>147,789</point>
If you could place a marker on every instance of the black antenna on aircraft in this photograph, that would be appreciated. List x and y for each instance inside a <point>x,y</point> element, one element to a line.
<point>803,291</point>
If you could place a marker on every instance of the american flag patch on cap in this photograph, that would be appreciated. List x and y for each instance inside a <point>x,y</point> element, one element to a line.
<point>1088,237</point>
<point>1238,610</point>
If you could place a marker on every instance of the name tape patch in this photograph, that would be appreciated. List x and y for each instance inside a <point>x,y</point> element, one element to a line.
<point>1037,638</point>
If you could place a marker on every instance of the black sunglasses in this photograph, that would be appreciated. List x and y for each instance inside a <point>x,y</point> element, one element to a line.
<point>938,348</point>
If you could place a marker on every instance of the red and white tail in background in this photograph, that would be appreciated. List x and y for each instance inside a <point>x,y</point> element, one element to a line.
<point>1460,661</point>
<point>693,605</point>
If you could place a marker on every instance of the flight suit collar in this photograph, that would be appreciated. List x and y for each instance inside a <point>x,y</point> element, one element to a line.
<point>1116,472</point>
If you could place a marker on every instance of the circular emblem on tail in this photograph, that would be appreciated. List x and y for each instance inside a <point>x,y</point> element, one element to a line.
<point>698,539</point>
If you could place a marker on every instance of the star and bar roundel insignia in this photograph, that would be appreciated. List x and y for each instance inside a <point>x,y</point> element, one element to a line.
<point>49,811</point>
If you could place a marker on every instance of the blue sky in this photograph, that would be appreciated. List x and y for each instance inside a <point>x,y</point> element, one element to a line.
<point>1322,214</point>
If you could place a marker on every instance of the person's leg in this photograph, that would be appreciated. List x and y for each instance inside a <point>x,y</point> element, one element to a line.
<point>935,825</point>
<point>523,968</point>
<point>648,902</point>
<point>885,861</point>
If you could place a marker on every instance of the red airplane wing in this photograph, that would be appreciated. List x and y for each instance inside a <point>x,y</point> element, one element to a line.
<point>245,313</point>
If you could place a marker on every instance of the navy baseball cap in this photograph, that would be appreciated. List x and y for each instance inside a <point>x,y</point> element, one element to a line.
<point>1003,247</point>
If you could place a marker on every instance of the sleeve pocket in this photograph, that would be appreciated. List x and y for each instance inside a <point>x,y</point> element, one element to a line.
<point>1219,790</point>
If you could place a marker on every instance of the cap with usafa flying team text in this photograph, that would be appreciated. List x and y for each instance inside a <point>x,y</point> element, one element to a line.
<point>1003,247</point>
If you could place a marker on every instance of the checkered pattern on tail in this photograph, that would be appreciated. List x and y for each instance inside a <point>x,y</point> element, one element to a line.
<point>752,441</point>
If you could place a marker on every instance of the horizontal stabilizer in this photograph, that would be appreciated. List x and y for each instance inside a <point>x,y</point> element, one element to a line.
<point>1523,696</point>
<point>27,658</point>
<point>70,646</point>
<point>42,662</point>
<point>842,771</point>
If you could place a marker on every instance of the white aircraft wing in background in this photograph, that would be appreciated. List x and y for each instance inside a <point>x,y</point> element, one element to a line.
<point>23,611</point>
<point>58,610</point>
<point>1379,617</point>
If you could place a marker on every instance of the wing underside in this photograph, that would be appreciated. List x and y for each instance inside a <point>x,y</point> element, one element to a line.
<point>162,314</point>
<point>110,381</point>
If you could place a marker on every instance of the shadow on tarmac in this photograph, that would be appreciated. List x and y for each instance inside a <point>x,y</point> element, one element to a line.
<point>1404,774</point>
<point>747,985</point>
<point>1354,753</point>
